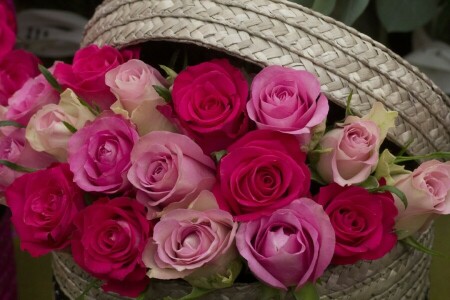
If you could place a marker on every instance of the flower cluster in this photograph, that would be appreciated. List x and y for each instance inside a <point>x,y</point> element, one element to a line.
<point>193,175</point>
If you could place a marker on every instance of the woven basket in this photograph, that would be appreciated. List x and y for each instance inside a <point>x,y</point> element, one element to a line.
<point>267,32</point>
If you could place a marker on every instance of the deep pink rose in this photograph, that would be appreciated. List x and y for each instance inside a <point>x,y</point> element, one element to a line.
<point>16,68</point>
<point>33,95</point>
<point>86,75</point>
<point>427,190</point>
<point>354,153</point>
<point>169,170</point>
<point>43,205</point>
<point>187,242</point>
<point>287,100</point>
<point>14,148</point>
<point>7,29</point>
<point>263,171</point>
<point>209,101</point>
<point>289,248</point>
<point>363,222</point>
<point>108,242</point>
<point>99,154</point>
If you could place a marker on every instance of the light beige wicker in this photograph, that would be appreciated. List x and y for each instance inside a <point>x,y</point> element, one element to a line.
<point>266,32</point>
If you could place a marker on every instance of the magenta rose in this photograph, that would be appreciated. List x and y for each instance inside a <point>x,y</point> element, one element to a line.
<point>354,153</point>
<point>363,222</point>
<point>209,101</point>
<point>427,189</point>
<point>33,95</point>
<point>7,28</point>
<point>44,205</point>
<point>108,242</point>
<point>263,171</point>
<point>287,100</point>
<point>191,244</point>
<point>99,154</point>
<point>86,75</point>
<point>168,170</point>
<point>289,248</point>
<point>15,148</point>
<point>16,68</point>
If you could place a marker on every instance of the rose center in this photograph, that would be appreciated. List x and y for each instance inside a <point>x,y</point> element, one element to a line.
<point>107,152</point>
<point>352,220</point>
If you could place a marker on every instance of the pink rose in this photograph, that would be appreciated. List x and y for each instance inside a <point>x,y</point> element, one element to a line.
<point>7,28</point>
<point>363,222</point>
<point>169,170</point>
<point>132,83</point>
<point>16,68</point>
<point>33,95</point>
<point>43,205</point>
<point>427,189</point>
<point>287,100</point>
<point>209,101</point>
<point>108,242</point>
<point>86,75</point>
<point>289,248</point>
<point>353,155</point>
<point>99,154</point>
<point>14,148</point>
<point>263,171</point>
<point>191,243</point>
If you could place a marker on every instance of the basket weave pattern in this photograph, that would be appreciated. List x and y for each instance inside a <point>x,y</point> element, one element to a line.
<point>278,32</point>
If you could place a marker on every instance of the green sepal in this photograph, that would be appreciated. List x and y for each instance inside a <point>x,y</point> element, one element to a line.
<point>270,293</point>
<point>307,292</point>
<point>171,74</point>
<point>370,183</point>
<point>16,167</point>
<point>386,168</point>
<point>93,284</point>
<point>410,241</point>
<point>7,123</point>
<point>348,110</point>
<point>50,78</point>
<point>405,147</point>
<point>69,127</point>
<point>196,293</point>
<point>218,155</point>
<point>435,155</point>
<point>163,92</point>
<point>94,110</point>
<point>316,177</point>
<point>393,190</point>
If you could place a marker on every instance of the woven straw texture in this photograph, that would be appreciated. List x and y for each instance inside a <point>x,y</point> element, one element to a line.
<point>278,32</point>
<point>399,275</point>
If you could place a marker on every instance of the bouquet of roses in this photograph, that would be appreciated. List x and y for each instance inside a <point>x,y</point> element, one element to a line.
<point>205,173</point>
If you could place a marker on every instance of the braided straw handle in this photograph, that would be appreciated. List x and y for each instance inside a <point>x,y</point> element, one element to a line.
<point>267,32</point>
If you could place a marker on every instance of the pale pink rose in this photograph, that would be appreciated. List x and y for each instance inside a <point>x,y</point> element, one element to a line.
<point>289,248</point>
<point>287,100</point>
<point>46,131</point>
<point>33,95</point>
<point>132,83</point>
<point>169,170</point>
<point>353,153</point>
<point>191,242</point>
<point>14,148</point>
<point>427,190</point>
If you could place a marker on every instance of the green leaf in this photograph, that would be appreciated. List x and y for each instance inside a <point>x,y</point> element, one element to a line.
<point>348,109</point>
<point>435,155</point>
<point>347,11</point>
<point>269,293</point>
<point>370,183</point>
<point>320,150</point>
<point>196,293</point>
<point>406,15</point>
<point>324,6</point>
<point>218,279</point>
<point>405,147</point>
<point>316,177</point>
<point>49,77</point>
<point>11,123</point>
<point>93,284</point>
<point>410,241</point>
<point>94,110</point>
<point>69,127</point>
<point>16,167</point>
<point>306,3</point>
<point>164,93</point>
<point>307,292</point>
<point>393,190</point>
